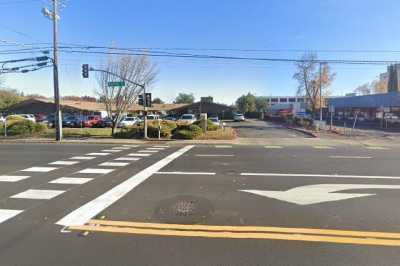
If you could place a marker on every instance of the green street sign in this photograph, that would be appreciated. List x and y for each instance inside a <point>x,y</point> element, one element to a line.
<point>116,83</point>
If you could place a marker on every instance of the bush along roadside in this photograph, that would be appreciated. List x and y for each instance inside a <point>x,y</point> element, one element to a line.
<point>187,132</point>
<point>23,128</point>
<point>173,130</point>
<point>137,131</point>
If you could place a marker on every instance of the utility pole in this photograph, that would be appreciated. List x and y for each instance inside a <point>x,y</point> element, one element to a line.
<point>57,116</point>
<point>320,91</point>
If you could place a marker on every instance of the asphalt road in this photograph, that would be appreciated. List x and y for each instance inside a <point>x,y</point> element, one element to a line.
<point>263,129</point>
<point>140,209</point>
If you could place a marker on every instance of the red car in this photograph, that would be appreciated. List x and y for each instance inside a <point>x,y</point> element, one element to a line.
<point>92,121</point>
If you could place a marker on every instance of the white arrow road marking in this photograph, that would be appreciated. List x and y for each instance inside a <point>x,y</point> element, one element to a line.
<point>312,194</point>
<point>321,175</point>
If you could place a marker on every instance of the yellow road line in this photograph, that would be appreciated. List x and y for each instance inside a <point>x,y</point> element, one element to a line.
<point>248,229</point>
<point>241,235</point>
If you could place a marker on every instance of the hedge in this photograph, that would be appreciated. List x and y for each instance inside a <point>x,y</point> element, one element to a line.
<point>23,127</point>
<point>210,125</point>
<point>137,131</point>
<point>187,132</point>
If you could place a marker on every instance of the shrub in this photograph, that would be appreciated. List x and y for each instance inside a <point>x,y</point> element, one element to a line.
<point>128,133</point>
<point>187,132</point>
<point>210,125</point>
<point>25,128</point>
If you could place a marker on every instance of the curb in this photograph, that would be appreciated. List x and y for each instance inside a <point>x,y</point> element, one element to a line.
<point>304,131</point>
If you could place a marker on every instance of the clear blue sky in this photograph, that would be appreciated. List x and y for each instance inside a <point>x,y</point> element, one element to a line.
<point>233,24</point>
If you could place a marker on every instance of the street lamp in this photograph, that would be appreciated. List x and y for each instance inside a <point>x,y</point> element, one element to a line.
<point>53,15</point>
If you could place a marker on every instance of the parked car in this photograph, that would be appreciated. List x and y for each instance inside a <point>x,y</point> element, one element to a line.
<point>238,117</point>
<point>128,121</point>
<point>170,117</point>
<point>153,117</point>
<point>105,122</point>
<point>391,118</point>
<point>71,121</point>
<point>92,121</point>
<point>215,120</point>
<point>187,119</point>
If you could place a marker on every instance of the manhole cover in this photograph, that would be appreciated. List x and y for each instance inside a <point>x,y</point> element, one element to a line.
<point>183,209</point>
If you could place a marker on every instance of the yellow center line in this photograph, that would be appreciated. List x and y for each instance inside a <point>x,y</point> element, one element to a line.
<point>241,235</point>
<point>247,229</point>
<point>244,232</point>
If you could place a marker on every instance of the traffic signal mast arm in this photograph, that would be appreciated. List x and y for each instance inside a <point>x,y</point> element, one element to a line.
<point>118,76</point>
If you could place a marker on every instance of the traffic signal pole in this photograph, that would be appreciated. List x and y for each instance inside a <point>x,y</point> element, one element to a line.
<point>85,74</point>
<point>145,112</point>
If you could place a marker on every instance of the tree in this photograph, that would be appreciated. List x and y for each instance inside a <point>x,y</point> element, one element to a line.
<point>246,103</point>
<point>309,80</point>
<point>117,100</point>
<point>364,89</point>
<point>8,98</point>
<point>261,103</point>
<point>184,98</point>
<point>158,101</point>
<point>380,86</point>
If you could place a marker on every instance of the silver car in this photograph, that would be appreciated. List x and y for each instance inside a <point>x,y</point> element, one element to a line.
<point>238,117</point>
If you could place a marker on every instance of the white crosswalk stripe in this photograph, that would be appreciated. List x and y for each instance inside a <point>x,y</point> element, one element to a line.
<point>95,171</point>
<point>98,154</point>
<point>122,148</point>
<point>127,159</point>
<point>130,146</point>
<point>71,180</point>
<point>83,158</point>
<point>117,164</point>
<point>64,163</point>
<point>12,178</point>
<point>39,169</point>
<point>113,150</point>
<point>38,194</point>
<point>6,214</point>
<point>139,154</point>
<point>147,151</point>
<point>155,148</point>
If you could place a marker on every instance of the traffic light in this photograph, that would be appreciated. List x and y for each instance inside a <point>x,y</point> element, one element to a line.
<point>140,99</point>
<point>148,99</point>
<point>85,71</point>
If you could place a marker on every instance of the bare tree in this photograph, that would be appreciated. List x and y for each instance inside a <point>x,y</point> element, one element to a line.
<point>364,89</point>
<point>310,80</point>
<point>117,100</point>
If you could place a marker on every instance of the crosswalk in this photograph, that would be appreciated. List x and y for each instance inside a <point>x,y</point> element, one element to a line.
<point>76,177</point>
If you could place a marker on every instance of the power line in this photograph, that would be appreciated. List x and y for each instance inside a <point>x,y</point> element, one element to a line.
<point>104,50</point>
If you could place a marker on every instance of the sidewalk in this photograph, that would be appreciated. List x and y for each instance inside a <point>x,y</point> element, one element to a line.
<point>323,140</point>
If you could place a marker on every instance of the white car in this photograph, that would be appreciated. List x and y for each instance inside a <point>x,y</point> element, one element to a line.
<point>187,119</point>
<point>153,117</point>
<point>128,121</point>
<point>2,119</point>
<point>238,117</point>
<point>215,120</point>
